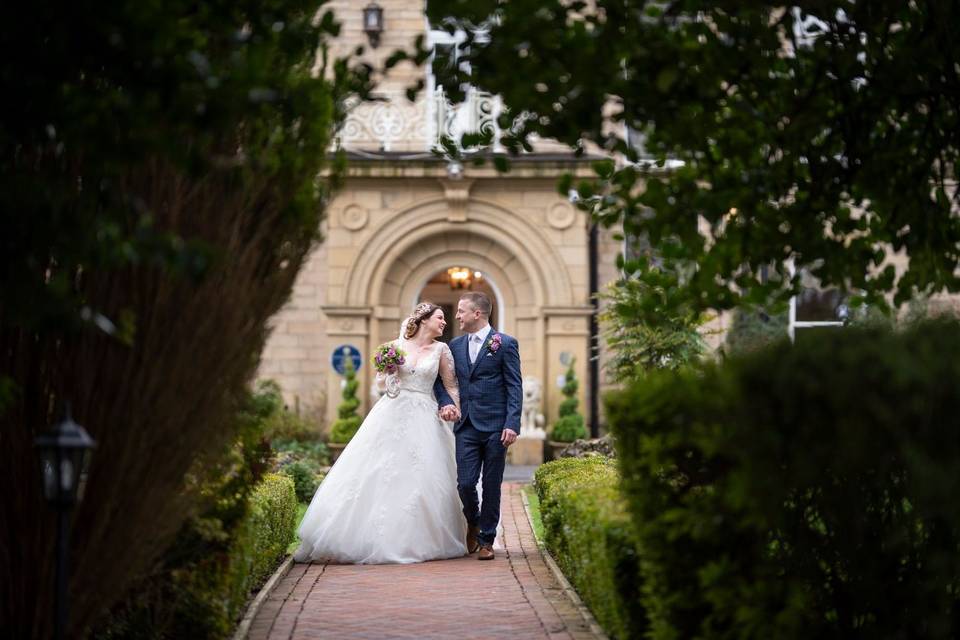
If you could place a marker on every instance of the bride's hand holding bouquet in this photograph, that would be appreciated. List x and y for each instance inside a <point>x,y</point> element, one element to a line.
<point>387,361</point>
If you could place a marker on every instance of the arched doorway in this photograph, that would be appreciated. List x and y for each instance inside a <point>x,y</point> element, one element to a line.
<point>445,287</point>
<point>539,291</point>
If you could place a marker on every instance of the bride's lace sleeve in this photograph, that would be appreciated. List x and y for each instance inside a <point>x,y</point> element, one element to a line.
<point>448,374</point>
<point>381,381</point>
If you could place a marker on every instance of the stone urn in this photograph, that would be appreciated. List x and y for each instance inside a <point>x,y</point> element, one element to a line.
<point>590,447</point>
<point>335,448</point>
<point>554,448</point>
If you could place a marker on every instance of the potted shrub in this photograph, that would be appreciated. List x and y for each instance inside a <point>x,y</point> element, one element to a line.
<point>570,424</point>
<point>347,421</point>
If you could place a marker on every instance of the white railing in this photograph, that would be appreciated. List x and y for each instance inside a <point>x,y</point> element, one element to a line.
<point>396,124</point>
<point>477,114</point>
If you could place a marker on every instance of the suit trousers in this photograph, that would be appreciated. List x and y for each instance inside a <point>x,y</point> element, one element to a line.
<point>480,451</point>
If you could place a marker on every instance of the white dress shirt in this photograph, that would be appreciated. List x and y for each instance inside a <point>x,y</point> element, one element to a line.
<point>476,341</point>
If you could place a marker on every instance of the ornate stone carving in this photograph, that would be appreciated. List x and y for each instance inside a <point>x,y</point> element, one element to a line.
<point>385,124</point>
<point>561,215</point>
<point>457,193</point>
<point>354,217</point>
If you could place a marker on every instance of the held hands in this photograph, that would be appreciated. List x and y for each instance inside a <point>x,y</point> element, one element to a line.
<point>508,437</point>
<point>449,413</point>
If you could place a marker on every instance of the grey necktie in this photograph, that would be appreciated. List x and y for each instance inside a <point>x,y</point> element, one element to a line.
<point>474,347</point>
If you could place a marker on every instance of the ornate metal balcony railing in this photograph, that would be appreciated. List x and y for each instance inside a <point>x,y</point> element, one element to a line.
<point>396,124</point>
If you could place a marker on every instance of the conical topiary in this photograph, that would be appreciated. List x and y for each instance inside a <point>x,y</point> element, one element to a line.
<point>347,421</point>
<point>569,426</point>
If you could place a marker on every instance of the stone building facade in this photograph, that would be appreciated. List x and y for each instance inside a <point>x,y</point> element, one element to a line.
<point>405,221</point>
<point>405,218</point>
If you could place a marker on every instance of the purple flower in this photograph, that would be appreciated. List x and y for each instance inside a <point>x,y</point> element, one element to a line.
<point>495,343</point>
<point>391,353</point>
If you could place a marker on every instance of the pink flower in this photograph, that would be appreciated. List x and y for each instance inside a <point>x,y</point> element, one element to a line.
<point>495,343</point>
<point>388,358</point>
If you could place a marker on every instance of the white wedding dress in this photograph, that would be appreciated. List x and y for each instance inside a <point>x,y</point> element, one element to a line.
<point>392,495</point>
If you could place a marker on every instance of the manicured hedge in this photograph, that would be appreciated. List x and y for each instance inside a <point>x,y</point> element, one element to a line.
<point>801,492</point>
<point>212,570</point>
<point>589,532</point>
<point>272,524</point>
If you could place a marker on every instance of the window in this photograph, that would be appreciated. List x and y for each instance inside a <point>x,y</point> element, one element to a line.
<point>815,308</point>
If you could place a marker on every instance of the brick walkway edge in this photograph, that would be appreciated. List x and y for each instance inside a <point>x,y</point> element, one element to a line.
<point>515,596</point>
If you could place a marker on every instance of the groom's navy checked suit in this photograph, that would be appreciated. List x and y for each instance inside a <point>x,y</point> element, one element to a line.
<point>490,401</point>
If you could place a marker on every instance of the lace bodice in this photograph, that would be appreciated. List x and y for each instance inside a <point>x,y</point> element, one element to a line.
<point>420,374</point>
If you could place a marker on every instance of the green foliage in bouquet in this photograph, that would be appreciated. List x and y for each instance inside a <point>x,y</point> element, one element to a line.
<point>347,422</point>
<point>569,425</point>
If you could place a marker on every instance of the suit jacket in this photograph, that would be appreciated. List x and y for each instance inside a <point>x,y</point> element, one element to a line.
<point>491,389</point>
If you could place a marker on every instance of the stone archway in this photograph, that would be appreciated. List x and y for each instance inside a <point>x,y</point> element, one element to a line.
<point>394,295</point>
<point>442,291</point>
<point>489,230</point>
<point>540,305</point>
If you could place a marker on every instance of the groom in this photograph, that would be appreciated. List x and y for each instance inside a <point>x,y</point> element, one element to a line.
<point>488,373</point>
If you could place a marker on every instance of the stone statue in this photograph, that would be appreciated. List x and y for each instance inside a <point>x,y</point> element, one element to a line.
<point>531,420</point>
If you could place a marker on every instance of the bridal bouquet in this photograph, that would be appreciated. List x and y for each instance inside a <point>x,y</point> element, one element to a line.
<point>388,358</point>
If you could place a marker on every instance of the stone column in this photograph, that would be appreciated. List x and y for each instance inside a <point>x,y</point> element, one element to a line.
<point>568,331</point>
<point>347,325</point>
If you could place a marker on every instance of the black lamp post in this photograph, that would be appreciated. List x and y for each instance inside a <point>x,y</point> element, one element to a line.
<point>63,451</point>
<point>373,23</point>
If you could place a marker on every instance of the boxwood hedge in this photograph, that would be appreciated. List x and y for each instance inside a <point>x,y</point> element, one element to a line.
<point>806,491</point>
<point>589,532</point>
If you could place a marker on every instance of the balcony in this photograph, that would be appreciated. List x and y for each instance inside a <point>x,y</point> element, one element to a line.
<point>397,125</point>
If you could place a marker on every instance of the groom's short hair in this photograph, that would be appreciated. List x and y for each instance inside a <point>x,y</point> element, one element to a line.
<point>480,302</point>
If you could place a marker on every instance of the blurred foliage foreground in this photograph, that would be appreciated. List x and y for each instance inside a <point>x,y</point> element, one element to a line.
<point>164,170</point>
<point>229,547</point>
<point>795,491</point>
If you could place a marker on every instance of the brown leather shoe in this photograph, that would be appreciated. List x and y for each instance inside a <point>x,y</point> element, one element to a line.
<point>486,552</point>
<point>472,542</point>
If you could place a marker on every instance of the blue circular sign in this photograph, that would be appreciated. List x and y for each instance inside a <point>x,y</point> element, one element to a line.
<point>341,353</point>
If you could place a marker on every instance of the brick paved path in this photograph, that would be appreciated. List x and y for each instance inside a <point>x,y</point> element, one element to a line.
<point>514,596</point>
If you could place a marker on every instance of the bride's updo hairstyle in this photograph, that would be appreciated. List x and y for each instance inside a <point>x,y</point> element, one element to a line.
<point>420,313</point>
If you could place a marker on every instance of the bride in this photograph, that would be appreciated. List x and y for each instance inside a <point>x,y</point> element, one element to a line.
<point>392,495</point>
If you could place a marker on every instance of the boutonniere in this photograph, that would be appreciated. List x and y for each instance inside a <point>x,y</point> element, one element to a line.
<point>493,343</point>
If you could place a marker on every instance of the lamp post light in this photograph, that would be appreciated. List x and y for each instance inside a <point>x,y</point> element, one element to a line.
<point>373,23</point>
<point>63,451</point>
